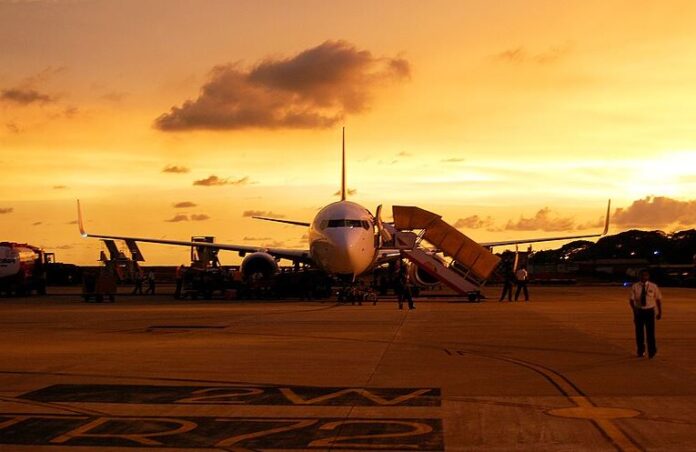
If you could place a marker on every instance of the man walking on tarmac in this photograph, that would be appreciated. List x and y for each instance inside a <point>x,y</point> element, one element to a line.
<point>179,281</point>
<point>646,303</point>
<point>404,288</point>
<point>137,283</point>
<point>150,283</point>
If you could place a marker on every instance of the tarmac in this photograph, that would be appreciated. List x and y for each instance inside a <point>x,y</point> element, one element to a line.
<point>558,373</point>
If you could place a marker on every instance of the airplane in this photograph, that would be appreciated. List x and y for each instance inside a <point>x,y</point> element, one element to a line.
<point>344,237</point>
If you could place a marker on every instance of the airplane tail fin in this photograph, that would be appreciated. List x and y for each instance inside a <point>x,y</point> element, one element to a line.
<point>343,164</point>
<point>80,222</point>
<point>606,219</point>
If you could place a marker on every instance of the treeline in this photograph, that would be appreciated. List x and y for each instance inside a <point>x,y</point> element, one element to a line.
<point>651,246</point>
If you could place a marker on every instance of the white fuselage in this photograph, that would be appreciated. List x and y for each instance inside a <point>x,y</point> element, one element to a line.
<point>342,239</point>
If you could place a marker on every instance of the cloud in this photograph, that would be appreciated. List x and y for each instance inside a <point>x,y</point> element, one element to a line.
<point>24,96</point>
<point>184,204</point>
<point>178,218</point>
<point>199,217</point>
<point>60,247</point>
<point>656,211</point>
<point>13,127</point>
<point>175,169</point>
<point>473,222</point>
<point>275,244</point>
<point>213,180</point>
<point>37,223</point>
<point>591,224</point>
<point>261,213</point>
<point>4,210</point>
<point>452,160</point>
<point>404,154</point>
<point>520,55</point>
<point>313,89</point>
<point>114,96</point>
<point>60,187</point>
<point>72,222</point>
<point>256,239</point>
<point>541,221</point>
<point>351,191</point>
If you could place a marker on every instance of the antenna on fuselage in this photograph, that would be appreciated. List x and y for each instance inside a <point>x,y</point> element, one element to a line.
<point>343,163</point>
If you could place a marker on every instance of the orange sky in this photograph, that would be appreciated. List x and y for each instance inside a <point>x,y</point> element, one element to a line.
<point>485,112</point>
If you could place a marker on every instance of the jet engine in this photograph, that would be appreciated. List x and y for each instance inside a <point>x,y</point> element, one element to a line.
<point>259,265</point>
<point>420,277</point>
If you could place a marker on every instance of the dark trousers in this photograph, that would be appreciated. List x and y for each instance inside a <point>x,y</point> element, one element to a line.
<point>179,285</point>
<point>507,290</point>
<point>150,288</point>
<point>405,295</point>
<point>644,320</point>
<point>522,285</point>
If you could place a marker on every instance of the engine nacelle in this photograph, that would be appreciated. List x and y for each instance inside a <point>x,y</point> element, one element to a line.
<point>422,278</point>
<point>259,265</point>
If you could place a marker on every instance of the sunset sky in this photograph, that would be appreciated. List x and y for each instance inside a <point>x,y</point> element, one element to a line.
<point>509,118</point>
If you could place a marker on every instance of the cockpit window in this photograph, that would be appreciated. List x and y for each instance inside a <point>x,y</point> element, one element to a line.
<point>344,223</point>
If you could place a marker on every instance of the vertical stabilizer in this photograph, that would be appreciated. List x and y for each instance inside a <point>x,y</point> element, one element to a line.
<point>343,164</point>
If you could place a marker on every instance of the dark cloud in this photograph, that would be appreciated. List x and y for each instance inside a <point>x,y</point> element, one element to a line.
<point>37,223</point>
<point>199,217</point>
<point>114,96</point>
<point>541,221</point>
<point>4,210</point>
<point>175,169</point>
<point>13,127</point>
<point>473,222</point>
<point>261,213</point>
<point>213,180</point>
<point>178,218</point>
<point>60,247</point>
<point>351,191</point>
<point>313,89</point>
<point>72,222</point>
<point>656,211</point>
<point>184,204</point>
<point>60,187</point>
<point>24,96</point>
<point>520,55</point>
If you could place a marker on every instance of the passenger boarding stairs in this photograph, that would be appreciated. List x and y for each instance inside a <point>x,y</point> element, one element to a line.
<point>471,264</point>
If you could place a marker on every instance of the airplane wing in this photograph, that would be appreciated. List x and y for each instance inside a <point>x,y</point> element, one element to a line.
<point>551,239</point>
<point>280,220</point>
<point>283,253</point>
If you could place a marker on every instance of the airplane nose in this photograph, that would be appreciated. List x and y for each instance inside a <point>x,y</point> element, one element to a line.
<point>349,253</point>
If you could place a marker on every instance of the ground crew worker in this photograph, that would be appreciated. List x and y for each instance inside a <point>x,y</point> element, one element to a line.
<point>405,291</point>
<point>137,283</point>
<point>508,280</point>
<point>179,281</point>
<point>646,303</point>
<point>150,283</point>
<point>522,276</point>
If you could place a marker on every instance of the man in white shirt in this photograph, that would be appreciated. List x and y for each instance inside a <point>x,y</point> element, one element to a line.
<point>646,302</point>
<point>521,277</point>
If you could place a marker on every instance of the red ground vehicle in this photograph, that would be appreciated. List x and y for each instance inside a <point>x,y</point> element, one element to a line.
<point>22,269</point>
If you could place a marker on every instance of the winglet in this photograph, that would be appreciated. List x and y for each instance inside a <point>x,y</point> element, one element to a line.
<point>606,218</point>
<point>80,223</point>
<point>343,164</point>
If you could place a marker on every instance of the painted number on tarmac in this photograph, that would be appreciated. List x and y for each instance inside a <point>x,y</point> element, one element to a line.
<point>198,432</point>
